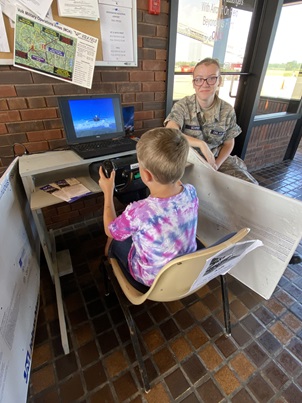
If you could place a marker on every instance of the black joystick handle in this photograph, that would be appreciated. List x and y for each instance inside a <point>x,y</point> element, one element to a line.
<point>108,167</point>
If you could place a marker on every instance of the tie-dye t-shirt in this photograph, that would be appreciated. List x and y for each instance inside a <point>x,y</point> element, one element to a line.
<point>161,230</point>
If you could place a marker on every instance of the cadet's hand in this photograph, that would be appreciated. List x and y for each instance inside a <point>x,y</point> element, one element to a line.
<point>207,153</point>
<point>106,184</point>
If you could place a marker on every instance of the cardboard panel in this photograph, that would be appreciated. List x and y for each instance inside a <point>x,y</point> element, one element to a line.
<point>19,287</point>
<point>228,204</point>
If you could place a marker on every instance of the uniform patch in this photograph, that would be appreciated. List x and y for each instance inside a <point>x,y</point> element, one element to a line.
<point>217,133</point>
<point>192,127</point>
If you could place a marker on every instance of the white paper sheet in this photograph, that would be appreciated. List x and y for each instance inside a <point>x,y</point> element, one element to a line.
<point>8,8</point>
<point>88,9</point>
<point>39,7</point>
<point>223,261</point>
<point>116,31</point>
<point>4,46</point>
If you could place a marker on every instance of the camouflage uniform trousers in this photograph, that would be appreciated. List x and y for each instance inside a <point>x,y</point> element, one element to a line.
<point>234,166</point>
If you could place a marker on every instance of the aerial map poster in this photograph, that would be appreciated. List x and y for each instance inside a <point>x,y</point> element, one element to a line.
<point>50,48</point>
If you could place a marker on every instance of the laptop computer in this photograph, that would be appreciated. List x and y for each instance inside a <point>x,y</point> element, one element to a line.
<point>94,125</point>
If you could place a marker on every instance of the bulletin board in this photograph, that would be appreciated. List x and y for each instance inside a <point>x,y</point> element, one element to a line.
<point>96,29</point>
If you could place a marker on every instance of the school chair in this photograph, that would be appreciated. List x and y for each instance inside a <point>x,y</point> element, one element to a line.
<point>172,283</point>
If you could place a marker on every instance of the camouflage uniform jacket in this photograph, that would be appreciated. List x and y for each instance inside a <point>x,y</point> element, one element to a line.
<point>214,126</point>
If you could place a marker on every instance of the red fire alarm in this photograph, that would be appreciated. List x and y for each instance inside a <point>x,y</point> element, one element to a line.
<point>154,7</point>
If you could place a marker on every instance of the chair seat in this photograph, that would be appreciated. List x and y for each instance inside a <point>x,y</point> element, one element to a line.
<point>176,280</point>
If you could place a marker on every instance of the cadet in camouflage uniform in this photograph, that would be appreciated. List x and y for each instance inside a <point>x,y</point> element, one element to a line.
<point>208,122</point>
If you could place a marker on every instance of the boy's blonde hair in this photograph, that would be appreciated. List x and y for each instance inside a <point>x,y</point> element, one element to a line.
<point>164,153</point>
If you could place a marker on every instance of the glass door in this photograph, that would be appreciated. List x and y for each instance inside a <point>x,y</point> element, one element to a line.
<point>211,28</point>
<point>282,86</point>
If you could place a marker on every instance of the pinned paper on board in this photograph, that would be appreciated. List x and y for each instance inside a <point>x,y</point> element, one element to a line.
<point>4,45</point>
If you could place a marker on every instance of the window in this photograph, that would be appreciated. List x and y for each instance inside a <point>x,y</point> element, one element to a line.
<point>282,86</point>
<point>211,28</point>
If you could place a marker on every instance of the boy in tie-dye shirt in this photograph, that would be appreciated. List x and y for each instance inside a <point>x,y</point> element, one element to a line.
<point>152,231</point>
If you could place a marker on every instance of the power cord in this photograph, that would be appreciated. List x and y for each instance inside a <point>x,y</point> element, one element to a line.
<point>25,150</point>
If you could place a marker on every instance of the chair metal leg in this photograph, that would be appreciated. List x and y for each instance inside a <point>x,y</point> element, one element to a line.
<point>104,272</point>
<point>226,306</point>
<point>124,303</point>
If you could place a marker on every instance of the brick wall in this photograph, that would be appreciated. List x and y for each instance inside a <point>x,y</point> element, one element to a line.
<point>29,113</point>
<point>268,144</point>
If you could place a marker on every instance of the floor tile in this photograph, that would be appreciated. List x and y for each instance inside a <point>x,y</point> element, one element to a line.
<point>187,356</point>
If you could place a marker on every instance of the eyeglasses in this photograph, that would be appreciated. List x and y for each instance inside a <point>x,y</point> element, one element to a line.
<point>210,80</point>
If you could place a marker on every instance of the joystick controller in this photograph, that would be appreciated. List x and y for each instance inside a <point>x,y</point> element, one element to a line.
<point>108,166</point>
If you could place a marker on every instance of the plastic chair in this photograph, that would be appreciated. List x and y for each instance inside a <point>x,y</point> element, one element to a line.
<point>172,283</point>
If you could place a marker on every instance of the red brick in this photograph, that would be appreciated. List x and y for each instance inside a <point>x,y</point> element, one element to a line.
<point>160,76</point>
<point>103,88</point>
<point>152,106</point>
<point>140,42</point>
<point>128,98</point>
<point>15,76</point>
<point>144,115</point>
<point>154,86</point>
<point>17,103</point>
<point>24,127</point>
<point>44,135</point>
<point>3,105</point>
<point>37,147</point>
<point>153,65</point>
<point>65,208</point>
<point>53,124</point>
<point>150,124</point>
<point>3,129</point>
<point>66,88</point>
<point>114,76</point>
<point>56,144</point>
<point>162,31</point>
<point>37,114</point>
<point>128,87</point>
<point>34,90</point>
<point>145,96</point>
<point>161,54</point>
<point>142,5</point>
<point>36,102</point>
<point>9,116</point>
<point>7,91</point>
<point>142,76</point>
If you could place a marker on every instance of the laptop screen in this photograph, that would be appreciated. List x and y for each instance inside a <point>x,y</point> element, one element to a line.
<point>89,118</point>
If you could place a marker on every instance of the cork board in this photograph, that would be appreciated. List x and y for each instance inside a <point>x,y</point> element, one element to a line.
<point>92,28</point>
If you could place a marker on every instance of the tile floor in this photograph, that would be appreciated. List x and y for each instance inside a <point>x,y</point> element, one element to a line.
<point>186,353</point>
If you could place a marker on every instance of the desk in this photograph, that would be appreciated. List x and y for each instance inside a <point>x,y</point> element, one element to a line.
<point>37,170</point>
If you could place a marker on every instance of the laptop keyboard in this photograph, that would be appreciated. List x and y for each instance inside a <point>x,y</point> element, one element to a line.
<point>108,144</point>
<point>104,147</point>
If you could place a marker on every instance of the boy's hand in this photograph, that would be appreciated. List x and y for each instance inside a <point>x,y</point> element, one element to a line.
<point>106,184</point>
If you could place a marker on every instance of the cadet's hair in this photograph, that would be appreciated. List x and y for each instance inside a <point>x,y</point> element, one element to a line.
<point>207,61</point>
<point>163,151</point>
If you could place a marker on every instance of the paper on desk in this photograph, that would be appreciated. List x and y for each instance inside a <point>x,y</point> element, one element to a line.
<point>68,190</point>
<point>223,261</point>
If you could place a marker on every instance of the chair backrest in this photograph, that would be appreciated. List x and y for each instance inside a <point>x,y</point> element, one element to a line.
<point>175,279</point>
